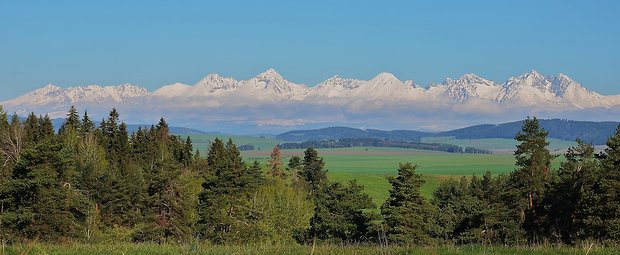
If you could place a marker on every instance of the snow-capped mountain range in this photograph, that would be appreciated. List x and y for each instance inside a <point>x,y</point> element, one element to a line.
<point>557,93</point>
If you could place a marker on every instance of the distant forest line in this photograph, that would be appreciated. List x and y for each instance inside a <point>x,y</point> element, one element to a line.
<point>587,131</point>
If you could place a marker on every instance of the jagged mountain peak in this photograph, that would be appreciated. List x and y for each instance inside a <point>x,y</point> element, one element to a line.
<point>529,79</point>
<point>50,87</point>
<point>270,75</point>
<point>528,89</point>
<point>214,77</point>
<point>338,81</point>
<point>468,79</point>
<point>212,83</point>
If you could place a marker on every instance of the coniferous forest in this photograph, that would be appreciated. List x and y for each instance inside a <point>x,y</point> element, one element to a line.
<point>88,184</point>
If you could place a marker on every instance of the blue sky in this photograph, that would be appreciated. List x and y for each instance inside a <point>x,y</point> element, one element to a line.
<point>153,43</point>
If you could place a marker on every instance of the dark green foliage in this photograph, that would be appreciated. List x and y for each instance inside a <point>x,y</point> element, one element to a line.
<point>472,211</point>
<point>609,207</point>
<point>36,202</point>
<point>101,184</point>
<point>312,172</point>
<point>575,201</point>
<point>294,164</point>
<point>72,122</point>
<point>529,181</point>
<point>342,213</point>
<point>228,183</point>
<point>406,213</point>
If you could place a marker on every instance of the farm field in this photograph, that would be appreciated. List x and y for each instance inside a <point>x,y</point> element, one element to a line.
<point>202,141</point>
<point>371,165</point>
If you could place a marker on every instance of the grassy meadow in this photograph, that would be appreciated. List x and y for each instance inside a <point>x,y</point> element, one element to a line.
<point>156,249</point>
<point>371,165</point>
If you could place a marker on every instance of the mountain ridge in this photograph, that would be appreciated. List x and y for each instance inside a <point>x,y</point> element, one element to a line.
<point>569,130</point>
<point>270,103</point>
<point>531,88</point>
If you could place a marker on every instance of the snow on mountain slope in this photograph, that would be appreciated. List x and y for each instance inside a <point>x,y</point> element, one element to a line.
<point>214,84</point>
<point>172,90</point>
<point>54,95</point>
<point>466,87</point>
<point>336,86</point>
<point>575,94</point>
<point>530,89</point>
<point>270,85</point>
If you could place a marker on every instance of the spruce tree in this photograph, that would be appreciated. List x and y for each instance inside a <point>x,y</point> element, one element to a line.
<point>312,172</point>
<point>406,213</point>
<point>574,199</point>
<point>610,185</point>
<point>343,213</point>
<point>72,122</point>
<point>532,177</point>
<point>227,185</point>
<point>87,126</point>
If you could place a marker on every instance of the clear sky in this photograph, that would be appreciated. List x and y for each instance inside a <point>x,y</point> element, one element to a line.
<point>153,43</point>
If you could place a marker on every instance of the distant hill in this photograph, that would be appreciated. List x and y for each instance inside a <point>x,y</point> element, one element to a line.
<point>346,132</point>
<point>134,127</point>
<point>588,131</point>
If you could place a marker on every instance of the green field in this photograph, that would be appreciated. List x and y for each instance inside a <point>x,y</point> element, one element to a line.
<point>156,249</point>
<point>202,141</point>
<point>371,165</point>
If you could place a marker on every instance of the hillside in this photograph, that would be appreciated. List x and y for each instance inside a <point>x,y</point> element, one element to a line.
<point>347,132</point>
<point>569,130</point>
<point>588,131</point>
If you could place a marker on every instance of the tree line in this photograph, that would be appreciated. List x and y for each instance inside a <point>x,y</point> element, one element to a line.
<point>91,183</point>
<point>376,142</point>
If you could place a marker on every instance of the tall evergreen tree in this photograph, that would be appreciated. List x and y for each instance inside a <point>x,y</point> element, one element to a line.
<point>610,201</point>
<point>227,185</point>
<point>72,122</point>
<point>312,172</point>
<point>343,213</point>
<point>532,177</point>
<point>87,125</point>
<point>574,198</point>
<point>406,212</point>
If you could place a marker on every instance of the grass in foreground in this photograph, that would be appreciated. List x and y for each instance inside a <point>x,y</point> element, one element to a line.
<point>131,249</point>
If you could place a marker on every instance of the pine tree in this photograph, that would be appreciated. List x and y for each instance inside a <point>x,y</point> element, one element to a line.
<point>87,126</point>
<point>226,187</point>
<point>532,177</point>
<point>312,172</point>
<point>37,203</point>
<point>574,198</point>
<point>406,213</point>
<point>343,213</point>
<point>72,122</point>
<point>31,130</point>
<point>610,185</point>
